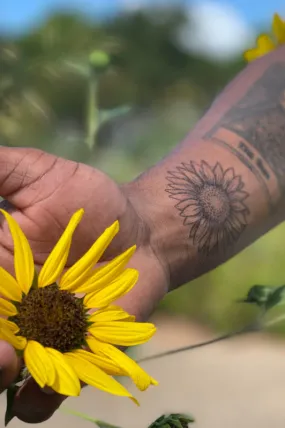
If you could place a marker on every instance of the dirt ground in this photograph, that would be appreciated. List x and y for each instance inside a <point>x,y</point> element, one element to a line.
<point>232,384</point>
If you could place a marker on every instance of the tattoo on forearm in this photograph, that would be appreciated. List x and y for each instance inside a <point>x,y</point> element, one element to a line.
<point>255,127</point>
<point>212,202</point>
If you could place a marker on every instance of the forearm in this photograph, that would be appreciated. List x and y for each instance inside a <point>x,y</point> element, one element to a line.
<point>223,186</point>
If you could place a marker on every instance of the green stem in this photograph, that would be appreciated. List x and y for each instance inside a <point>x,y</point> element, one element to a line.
<point>92,110</point>
<point>101,424</point>
<point>248,329</point>
<point>275,321</point>
<point>258,325</point>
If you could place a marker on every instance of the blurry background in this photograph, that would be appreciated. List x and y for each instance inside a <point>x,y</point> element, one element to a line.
<point>168,61</point>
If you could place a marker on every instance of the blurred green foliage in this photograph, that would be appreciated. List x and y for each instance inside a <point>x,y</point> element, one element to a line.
<point>44,73</point>
<point>163,91</point>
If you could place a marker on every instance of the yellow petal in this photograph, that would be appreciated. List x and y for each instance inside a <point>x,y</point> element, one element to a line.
<point>76,275</point>
<point>39,364</point>
<point>23,257</point>
<point>66,381</point>
<point>251,55</point>
<point>264,46</point>
<point>111,313</point>
<point>104,275</point>
<point>118,288</point>
<point>18,342</point>
<point>278,27</point>
<point>56,261</point>
<point>9,325</point>
<point>92,375</point>
<point>101,361</point>
<point>7,308</point>
<point>141,379</point>
<point>9,288</point>
<point>122,333</point>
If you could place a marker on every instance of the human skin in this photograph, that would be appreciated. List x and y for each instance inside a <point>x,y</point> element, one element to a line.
<point>217,192</point>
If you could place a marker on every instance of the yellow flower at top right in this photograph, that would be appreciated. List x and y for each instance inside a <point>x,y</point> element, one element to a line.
<point>266,43</point>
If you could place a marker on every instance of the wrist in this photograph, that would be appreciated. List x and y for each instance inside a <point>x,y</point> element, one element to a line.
<point>166,237</point>
<point>154,281</point>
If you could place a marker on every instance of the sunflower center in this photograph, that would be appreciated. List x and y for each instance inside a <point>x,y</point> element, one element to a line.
<point>215,203</point>
<point>53,317</point>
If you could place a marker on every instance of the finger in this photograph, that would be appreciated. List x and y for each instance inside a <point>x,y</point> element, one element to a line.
<point>33,405</point>
<point>19,169</point>
<point>9,365</point>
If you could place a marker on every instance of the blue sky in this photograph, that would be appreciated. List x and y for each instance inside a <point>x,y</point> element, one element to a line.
<point>19,15</point>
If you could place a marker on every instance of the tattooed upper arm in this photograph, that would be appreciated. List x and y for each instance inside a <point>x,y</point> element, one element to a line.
<point>212,198</point>
<point>257,127</point>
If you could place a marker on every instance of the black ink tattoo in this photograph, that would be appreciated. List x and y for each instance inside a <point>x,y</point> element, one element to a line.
<point>259,119</point>
<point>212,203</point>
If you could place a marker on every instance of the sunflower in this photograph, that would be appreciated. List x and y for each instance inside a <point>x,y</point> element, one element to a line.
<point>60,337</point>
<point>211,201</point>
<point>266,43</point>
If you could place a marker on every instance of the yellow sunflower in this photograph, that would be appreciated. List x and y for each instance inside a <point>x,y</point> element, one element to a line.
<point>266,43</point>
<point>60,341</point>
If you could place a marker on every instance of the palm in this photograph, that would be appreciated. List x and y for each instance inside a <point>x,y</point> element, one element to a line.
<point>46,191</point>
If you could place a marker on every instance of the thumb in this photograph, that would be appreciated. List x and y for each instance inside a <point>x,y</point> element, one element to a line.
<point>20,168</point>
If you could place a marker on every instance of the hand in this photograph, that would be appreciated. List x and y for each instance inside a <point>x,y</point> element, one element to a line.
<point>43,191</point>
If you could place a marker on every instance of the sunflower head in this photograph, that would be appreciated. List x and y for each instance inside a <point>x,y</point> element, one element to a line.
<point>266,43</point>
<point>62,338</point>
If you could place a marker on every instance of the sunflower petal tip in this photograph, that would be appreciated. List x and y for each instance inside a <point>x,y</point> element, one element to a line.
<point>154,382</point>
<point>246,55</point>
<point>276,16</point>
<point>80,211</point>
<point>78,393</point>
<point>78,214</point>
<point>116,225</point>
<point>134,400</point>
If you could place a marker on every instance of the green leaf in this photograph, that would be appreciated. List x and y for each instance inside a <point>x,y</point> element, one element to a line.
<point>265,296</point>
<point>277,297</point>
<point>172,420</point>
<point>11,392</point>
<point>176,424</point>
<point>259,295</point>
<point>107,115</point>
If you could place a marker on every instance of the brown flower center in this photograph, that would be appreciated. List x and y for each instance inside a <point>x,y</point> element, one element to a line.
<point>53,317</point>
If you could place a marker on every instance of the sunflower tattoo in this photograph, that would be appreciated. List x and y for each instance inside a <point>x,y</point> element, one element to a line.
<point>62,338</point>
<point>212,203</point>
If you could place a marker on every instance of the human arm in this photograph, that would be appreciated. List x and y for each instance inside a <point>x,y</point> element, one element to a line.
<point>223,186</point>
<point>45,190</point>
